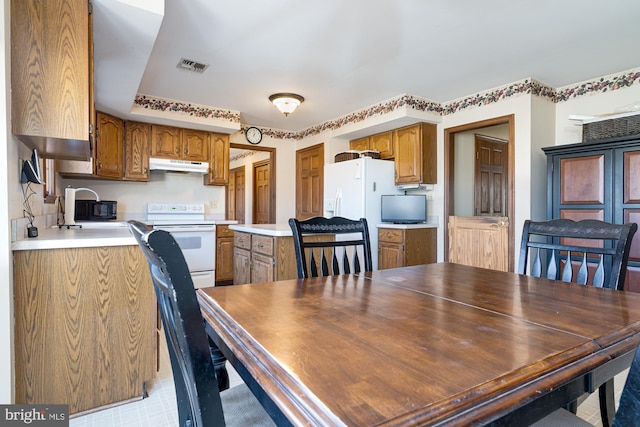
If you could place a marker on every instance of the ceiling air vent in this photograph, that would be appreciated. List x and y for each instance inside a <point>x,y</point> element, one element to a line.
<point>190,65</point>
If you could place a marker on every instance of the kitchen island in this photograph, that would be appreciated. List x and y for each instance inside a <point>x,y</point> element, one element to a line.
<point>85,318</point>
<point>263,253</point>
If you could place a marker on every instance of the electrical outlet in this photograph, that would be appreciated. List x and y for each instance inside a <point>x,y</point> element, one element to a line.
<point>214,204</point>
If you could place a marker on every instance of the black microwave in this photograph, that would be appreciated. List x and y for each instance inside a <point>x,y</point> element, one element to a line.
<point>92,210</point>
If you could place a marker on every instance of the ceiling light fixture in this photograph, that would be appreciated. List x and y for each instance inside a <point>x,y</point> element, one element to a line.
<point>286,102</point>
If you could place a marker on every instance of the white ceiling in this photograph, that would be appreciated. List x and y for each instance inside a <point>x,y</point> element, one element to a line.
<point>343,56</point>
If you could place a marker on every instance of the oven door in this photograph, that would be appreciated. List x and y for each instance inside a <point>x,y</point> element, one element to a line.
<point>198,244</point>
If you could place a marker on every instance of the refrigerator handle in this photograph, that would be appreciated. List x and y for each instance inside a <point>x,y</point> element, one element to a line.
<point>336,205</point>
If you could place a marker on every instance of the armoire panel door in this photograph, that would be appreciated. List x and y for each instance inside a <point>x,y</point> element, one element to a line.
<point>582,180</point>
<point>631,177</point>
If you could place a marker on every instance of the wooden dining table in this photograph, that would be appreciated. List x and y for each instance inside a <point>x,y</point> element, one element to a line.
<point>435,344</point>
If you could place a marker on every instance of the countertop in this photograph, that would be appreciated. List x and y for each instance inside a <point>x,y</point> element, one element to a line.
<point>276,230</point>
<point>57,238</point>
<point>408,226</point>
<point>92,234</point>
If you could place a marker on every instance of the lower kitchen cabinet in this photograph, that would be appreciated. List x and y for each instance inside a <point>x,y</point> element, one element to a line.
<point>224,255</point>
<point>85,330</point>
<point>401,247</point>
<point>259,258</point>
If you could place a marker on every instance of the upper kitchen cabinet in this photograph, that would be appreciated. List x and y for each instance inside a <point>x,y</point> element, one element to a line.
<point>169,142</point>
<point>359,144</point>
<point>195,145</point>
<point>121,152</point>
<point>51,84</point>
<point>218,160</point>
<point>165,142</point>
<point>136,151</point>
<point>415,154</point>
<point>109,145</point>
<point>381,142</point>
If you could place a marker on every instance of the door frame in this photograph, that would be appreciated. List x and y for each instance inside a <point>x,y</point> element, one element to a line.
<point>449,158</point>
<point>272,175</point>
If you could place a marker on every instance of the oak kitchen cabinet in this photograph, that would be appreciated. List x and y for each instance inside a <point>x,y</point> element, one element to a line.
<point>85,326</point>
<point>381,142</point>
<point>136,151</point>
<point>263,258</point>
<point>109,146</point>
<point>224,255</point>
<point>415,154</point>
<point>598,180</point>
<point>218,160</point>
<point>132,164</point>
<point>404,245</point>
<point>122,152</point>
<point>169,142</point>
<point>264,253</point>
<point>52,77</point>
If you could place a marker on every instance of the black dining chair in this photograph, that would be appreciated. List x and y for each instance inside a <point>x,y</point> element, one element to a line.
<point>331,246</point>
<point>587,252</point>
<point>599,250</point>
<point>628,414</point>
<point>200,403</point>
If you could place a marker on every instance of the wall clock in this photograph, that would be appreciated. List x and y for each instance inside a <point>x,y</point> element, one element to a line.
<point>253,135</point>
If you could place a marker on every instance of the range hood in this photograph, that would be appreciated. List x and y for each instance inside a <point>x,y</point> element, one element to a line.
<point>178,165</point>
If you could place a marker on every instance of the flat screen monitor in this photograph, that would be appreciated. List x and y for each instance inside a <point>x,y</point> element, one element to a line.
<point>404,209</point>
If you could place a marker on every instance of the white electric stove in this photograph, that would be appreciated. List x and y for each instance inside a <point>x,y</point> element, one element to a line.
<point>195,236</point>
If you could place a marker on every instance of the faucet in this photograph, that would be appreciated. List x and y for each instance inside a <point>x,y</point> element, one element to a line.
<point>70,203</point>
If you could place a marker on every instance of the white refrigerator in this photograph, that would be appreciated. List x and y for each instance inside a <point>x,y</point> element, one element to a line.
<point>352,189</point>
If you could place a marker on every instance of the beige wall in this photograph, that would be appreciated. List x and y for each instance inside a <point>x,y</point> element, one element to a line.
<point>569,131</point>
<point>519,106</point>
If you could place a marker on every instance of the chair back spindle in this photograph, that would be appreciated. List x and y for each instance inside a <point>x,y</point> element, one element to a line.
<point>599,249</point>
<point>324,246</point>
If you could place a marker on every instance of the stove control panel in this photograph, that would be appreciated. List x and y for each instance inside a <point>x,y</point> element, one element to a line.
<point>175,210</point>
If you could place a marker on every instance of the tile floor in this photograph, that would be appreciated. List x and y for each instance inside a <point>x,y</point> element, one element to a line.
<point>159,409</point>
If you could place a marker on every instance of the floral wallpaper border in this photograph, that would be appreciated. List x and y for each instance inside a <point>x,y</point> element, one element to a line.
<point>160,104</point>
<point>523,87</point>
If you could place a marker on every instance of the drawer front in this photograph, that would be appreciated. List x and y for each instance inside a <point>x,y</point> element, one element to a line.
<point>262,244</point>
<point>390,235</point>
<point>242,240</point>
<point>223,231</point>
